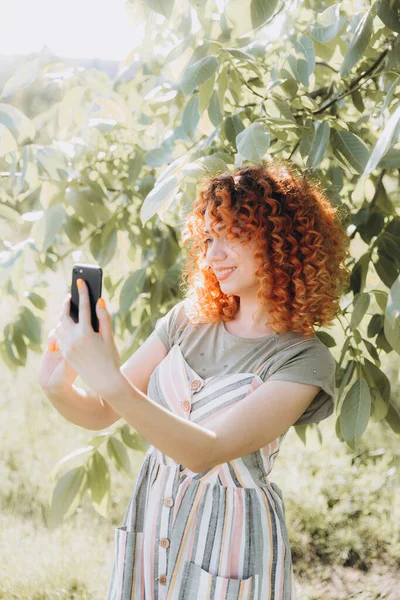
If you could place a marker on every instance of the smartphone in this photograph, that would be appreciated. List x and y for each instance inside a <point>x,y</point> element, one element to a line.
<point>93,277</point>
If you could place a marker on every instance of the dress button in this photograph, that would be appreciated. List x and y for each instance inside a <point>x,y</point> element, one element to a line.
<point>168,502</point>
<point>196,384</point>
<point>164,542</point>
<point>163,579</point>
<point>186,405</point>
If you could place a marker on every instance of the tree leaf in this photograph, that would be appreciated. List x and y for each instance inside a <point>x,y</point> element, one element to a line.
<point>119,456</point>
<point>391,160</point>
<point>232,127</point>
<point>222,83</point>
<point>191,116</point>
<point>82,200</point>
<point>389,13</point>
<point>25,75</point>
<point>205,91</point>
<point>99,483</point>
<point>167,252</point>
<point>162,7</point>
<point>37,300</point>
<point>9,213</point>
<point>387,270</point>
<point>359,273</point>
<point>393,417</point>
<point>20,126</point>
<point>392,316</point>
<point>350,151</point>
<point>240,55</point>
<point>381,381</point>
<point>319,144</point>
<point>20,345</point>
<point>69,105</point>
<point>131,289</point>
<point>161,194</point>
<point>70,458</point>
<point>381,299</point>
<point>107,246</point>
<point>53,221</point>
<point>53,162</point>
<point>306,61</point>
<point>198,73</point>
<point>30,325</point>
<point>179,49</point>
<point>213,164</point>
<point>214,110</point>
<point>356,410</point>
<point>383,143</point>
<point>158,156</point>
<point>358,44</point>
<point>329,23</point>
<point>7,141</point>
<point>360,307</point>
<point>67,495</point>
<point>261,11</point>
<point>133,439</point>
<point>253,142</point>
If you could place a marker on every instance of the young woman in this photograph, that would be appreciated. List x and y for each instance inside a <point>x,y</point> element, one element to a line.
<point>228,370</point>
<point>265,267</point>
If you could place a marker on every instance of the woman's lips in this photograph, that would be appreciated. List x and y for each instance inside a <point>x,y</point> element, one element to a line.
<point>221,276</point>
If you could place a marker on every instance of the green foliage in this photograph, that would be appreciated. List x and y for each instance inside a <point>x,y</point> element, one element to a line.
<point>112,162</point>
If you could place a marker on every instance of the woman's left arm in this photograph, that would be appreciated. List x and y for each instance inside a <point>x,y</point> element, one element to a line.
<point>184,441</point>
<point>247,426</point>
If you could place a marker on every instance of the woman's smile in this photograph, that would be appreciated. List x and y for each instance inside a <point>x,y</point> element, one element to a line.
<point>221,275</point>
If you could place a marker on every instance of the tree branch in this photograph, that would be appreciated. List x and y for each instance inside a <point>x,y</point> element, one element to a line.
<point>354,85</point>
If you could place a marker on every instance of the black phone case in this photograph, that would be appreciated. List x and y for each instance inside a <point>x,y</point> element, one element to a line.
<point>93,277</point>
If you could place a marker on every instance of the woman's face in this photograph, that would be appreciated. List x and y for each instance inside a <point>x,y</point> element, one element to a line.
<point>237,253</point>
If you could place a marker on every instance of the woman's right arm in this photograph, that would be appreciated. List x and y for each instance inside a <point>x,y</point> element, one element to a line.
<point>82,407</point>
<point>85,407</point>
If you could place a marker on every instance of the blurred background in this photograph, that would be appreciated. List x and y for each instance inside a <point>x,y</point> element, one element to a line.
<point>110,114</point>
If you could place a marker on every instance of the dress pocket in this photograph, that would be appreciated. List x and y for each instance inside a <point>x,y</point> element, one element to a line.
<point>199,584</point>
<point>126,575</point>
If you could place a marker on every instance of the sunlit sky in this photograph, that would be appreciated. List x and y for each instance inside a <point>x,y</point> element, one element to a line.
<point>71,28</point>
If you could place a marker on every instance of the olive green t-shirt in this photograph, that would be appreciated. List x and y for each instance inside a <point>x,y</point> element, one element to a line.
<point>211,350</point>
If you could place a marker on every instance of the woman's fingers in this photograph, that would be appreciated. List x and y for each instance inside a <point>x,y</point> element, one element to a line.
<point>51,340</point>
<point>53,346</point>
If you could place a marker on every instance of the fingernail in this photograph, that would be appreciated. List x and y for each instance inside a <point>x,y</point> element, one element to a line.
<point>102,303</point>
<point>56,347</point>
<point>51,347</point>
<point>79,282</point>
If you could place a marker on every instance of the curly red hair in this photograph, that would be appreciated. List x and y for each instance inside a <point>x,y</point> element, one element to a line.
<point>300,240</point>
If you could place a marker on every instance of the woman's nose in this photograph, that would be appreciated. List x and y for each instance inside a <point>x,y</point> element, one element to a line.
<point>215,251</point>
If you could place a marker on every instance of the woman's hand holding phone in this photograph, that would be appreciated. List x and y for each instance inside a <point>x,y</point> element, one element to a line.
<point>93,355</point>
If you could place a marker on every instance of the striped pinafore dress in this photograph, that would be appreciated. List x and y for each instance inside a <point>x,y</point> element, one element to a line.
<point>216,535</point>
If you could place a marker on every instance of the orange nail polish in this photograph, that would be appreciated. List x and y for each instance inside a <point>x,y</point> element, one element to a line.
<point>102,303</point>
<point>51,347</point>
<point>79,282</point>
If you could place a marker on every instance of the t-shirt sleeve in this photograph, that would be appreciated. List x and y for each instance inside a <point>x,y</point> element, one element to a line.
<point>170,325</point>
<point>311,364</point>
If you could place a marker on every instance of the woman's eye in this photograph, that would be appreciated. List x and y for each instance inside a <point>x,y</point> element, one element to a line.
<point>207,240</point>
